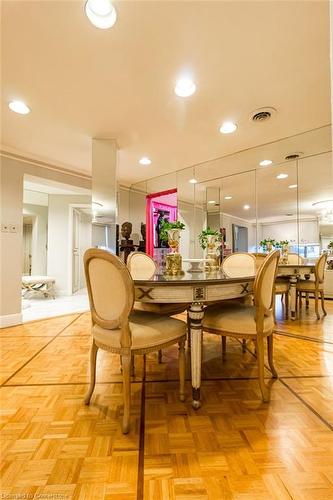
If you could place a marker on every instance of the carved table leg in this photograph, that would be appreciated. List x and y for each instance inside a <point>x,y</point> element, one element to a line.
<point>196,314</point>
<point>293,298</point>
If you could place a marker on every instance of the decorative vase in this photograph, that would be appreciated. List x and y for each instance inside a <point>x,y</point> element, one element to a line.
<point>269,247</point>
<point>212,253</point>
<point>285,251</point>
<point>173,260</point>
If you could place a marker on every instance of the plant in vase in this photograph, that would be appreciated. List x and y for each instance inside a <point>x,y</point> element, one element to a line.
<point>170,232</point>
<point>330,247</point>
<point>210,240</point>
<point>267,244</point>
<point>284,246</point>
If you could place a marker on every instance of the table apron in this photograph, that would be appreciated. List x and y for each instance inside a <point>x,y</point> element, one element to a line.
<point>192,293</point>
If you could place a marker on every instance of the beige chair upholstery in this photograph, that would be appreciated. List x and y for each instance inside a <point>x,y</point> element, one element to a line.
<point>117,329</point>
<point>250,322</point>
<point>142,266</point>
<point>239,264</point>
<point>260,257</point>
<point>282,287</point>
<point>315,286</point>
<point>294,258</point>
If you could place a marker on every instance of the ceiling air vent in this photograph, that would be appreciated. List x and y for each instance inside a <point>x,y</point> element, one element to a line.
<point>293,156</point>
<point>262,114</point>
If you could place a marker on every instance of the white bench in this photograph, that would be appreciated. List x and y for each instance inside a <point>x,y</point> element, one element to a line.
<point>39,284</point>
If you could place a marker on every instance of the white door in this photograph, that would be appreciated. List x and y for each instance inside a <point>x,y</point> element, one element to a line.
<point>76,251</point>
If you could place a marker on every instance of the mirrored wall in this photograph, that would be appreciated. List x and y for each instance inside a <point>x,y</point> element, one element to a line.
<point>280,191</point>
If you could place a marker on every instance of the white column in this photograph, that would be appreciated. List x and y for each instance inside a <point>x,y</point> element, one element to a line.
<point>104,192</point>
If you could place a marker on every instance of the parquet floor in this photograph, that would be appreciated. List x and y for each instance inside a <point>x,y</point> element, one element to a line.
<point>234,447</point>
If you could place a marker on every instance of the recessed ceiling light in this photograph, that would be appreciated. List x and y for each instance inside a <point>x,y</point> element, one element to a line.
<point>101,13</point>
<point>212,202</point>
<point>185,87</point>
<point>228,197</point>
<point>282,176</point>
<point>228,128</point>
<point>265,163</point>
<point>192,181</point>
<point>292,186</point>
<point>19,107</point>
<point>246,207</point>
<point>145,161</point>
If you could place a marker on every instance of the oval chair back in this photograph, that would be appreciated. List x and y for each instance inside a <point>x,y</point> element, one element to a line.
<point>263,288</point>
<point>110,290</point>
<point>294,258</point>
<point>320,268</point>
<point>141,265</point>
<point>260,257</point>
<point>239,264</point>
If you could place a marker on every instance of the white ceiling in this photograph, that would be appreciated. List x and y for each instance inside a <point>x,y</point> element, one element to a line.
<point>81,82</point>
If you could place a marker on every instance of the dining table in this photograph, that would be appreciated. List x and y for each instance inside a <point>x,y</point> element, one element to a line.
<point>196,290</point>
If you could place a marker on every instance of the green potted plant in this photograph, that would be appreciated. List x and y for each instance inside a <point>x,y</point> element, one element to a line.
<point>170,232</point>
<point>267,244</point>
<point>208,236</point>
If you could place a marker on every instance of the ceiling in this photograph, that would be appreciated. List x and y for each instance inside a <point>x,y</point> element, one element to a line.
<point>81,82</point>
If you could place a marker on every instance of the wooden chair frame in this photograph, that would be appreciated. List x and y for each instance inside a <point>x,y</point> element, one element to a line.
<point>319,280</point>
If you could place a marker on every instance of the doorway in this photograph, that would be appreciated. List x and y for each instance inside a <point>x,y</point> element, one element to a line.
<point>239,238</point>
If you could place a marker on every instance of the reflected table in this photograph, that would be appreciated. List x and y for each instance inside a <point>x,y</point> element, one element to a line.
<point>294,272</point>
<point>196,289</point>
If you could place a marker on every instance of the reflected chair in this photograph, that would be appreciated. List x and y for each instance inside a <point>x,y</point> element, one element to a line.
<point>295,259</point>
<point>315,286</point>
<point>260,257</point>
<point>250,322</point>
<point>116,328</point>
<point>282,285</point>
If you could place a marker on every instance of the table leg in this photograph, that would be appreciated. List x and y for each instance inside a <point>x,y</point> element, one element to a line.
<point>196,314</point>
<point>293,283</point>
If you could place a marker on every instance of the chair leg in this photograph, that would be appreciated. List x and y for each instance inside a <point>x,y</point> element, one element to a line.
<point>300,300</point>
<point>93,356</point>
<point>181,361</point>
<point>261,370</point>
<point>224,346</point>
<point>188,331</point>
<point>126,362</point>
<point>159,356</point>
<point>243,346</point>
<point>322,296</point>
<point>307,300</point>
<point>270,355</point>
<point>287,305</point>
<point>316,294</point>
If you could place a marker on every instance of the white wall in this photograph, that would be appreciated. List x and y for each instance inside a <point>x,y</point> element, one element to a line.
<point>287,230</point>
<point>39,237</point>
<point>229,220</point>
<point>59,255</point>
<point>85,243</point>
<point>12,173</point>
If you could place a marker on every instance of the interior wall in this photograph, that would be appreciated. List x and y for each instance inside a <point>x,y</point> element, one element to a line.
<point>39,237</point>
<point>11,199</point>
<point>288,230</point>
<point>85,243</point>
<point>59,255</point>
<point>229,220</point>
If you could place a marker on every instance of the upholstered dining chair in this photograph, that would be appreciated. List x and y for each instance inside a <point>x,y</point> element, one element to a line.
<point>116,328</point>
<point>315,286</point>
<point>295,259</point>
<point>282,285</point>
<point>239,264</point>
<point>260,257</point>
<point>251,322</point>
<point>142,266</point>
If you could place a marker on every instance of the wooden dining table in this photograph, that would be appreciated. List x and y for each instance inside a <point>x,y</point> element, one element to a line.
<point>197,289</point>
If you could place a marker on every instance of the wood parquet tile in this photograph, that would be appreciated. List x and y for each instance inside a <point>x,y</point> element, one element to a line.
<point>234,447</point>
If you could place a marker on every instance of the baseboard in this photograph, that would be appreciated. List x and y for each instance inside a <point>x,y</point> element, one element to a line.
<point>10,320</point>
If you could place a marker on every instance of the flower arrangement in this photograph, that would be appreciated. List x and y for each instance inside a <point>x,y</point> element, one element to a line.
<point>330,245</point>
<point>281,244</point>
<point>205,233</point>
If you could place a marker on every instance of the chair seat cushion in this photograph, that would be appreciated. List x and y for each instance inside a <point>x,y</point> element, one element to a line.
<point>167,309</point>
<point>148,330</point>
<point>234,318</point>
<point>309,285</point>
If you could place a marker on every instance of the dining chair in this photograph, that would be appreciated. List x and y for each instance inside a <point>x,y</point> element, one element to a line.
<point>142,266</point>
<point>315,286</point>
<point>117,329</point>
<point>239,264</point>
<point>260,257</point>
<point>253,322</point>
<point>282,284</point>
<point>295,258</point>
